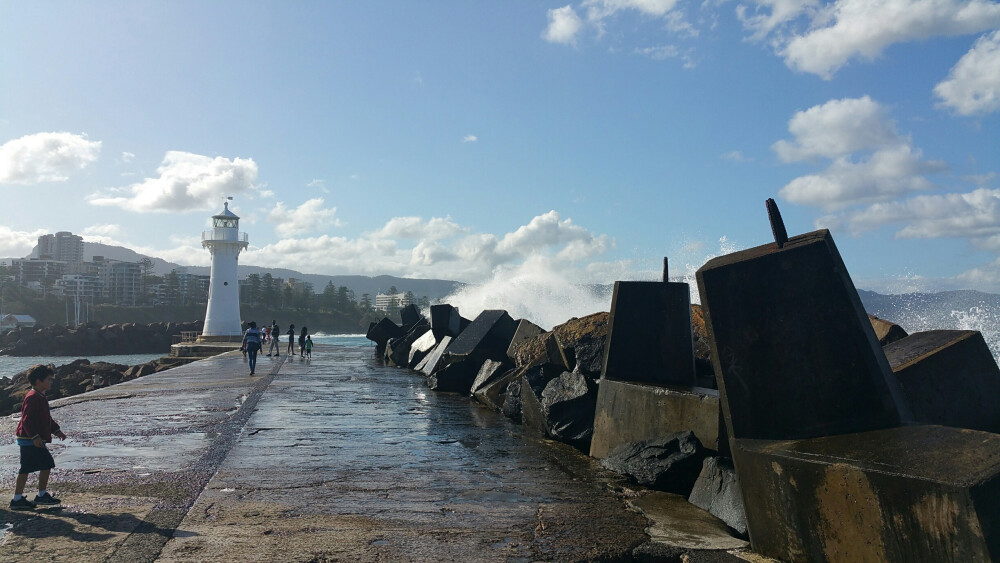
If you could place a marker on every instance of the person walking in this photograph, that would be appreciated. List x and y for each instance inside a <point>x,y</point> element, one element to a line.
<point>275,337</point>
<point>251,344</point>
<point>291,340</point>
<point>302,342</point>
<point>36,429</point>
<point>309,347</point>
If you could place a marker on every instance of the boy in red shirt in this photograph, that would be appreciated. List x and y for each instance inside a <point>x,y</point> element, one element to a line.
<point>33,431</point>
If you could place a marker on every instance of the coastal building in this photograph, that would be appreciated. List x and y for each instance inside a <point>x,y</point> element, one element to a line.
<point>35,272</point>
<point>63,246</point>
<point>384,301</point>
<point>225,242</point>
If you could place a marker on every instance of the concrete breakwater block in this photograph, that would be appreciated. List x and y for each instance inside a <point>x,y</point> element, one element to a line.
<point>430,361</point>
<point>398,349</point>
<point>913,493</point>
<point>886,332</point>
<point>486,338</point>
<point>813,413</point>
<point>631,412</point>
<point>410,315</point>
<point>487,387</point>
<point>948,377</point>
<point>445,321</point>
<point>649,334</point>
<point>381,332</point>
<point>420,348</point>
<point>794,351</point>
<point>525,330</point>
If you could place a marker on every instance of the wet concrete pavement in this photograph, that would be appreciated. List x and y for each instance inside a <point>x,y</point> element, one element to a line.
<point>334,459</point>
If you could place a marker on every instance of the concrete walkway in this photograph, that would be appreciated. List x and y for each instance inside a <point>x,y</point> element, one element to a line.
<point>333,459</point>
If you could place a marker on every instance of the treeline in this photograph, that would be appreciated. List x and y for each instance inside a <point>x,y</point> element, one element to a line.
<point>262,298</point>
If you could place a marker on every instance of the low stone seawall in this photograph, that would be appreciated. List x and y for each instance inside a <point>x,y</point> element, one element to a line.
<point>78,377</point>
<point>93,340</point>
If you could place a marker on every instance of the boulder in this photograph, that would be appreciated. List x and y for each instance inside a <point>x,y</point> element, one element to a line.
<point>670,463</point>
<point>568,403</point>
<point>580,346</point>
<point>887,332</point>
<point>489,372</point>
<point>512,400</point>
<point>717,492</point>
<point>533,380</point>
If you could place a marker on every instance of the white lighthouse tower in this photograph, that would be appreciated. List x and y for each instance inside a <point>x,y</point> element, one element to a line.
<point>224,241</point>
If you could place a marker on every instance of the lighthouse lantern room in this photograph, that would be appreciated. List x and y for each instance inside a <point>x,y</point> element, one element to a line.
<point>224,241</point>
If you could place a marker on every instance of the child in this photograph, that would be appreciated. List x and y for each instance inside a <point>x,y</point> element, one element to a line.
<point>309,347</point>
<point>33,431</point>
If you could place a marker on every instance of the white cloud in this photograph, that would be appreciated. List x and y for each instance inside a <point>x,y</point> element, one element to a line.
<point>417,247</point>
<point>837,128</point>
<point>659,52</point>
<point>309,217</point>
<point>17,244</point>
<point>317,183</point>
<point>870,161</point>
<point>888,173</point>
<point>974,215</point>
<point>415,228</point>
<point>850,29</point>
<point>45,157</point>
<point>470,139</point>
<point>563,26</point>
<point>186,182</point>
<point>600,9</point>
<point>106,230</point>
<point>973,85</point>
<point>128,157</point>
<point>986,276</point>
<point>771,14</point>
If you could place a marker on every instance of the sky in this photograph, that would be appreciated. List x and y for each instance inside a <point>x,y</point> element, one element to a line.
<point>483,141</point>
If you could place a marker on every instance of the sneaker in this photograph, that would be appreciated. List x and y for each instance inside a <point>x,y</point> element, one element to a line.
<point>23,504</point>
<point>47,500</point>
<point>269,355</point>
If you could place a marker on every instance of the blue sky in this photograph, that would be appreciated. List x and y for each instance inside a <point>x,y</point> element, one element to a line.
<point>485,140</point>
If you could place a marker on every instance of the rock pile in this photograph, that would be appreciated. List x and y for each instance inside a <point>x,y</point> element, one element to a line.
<point>79,377</point>
<point>93,340</point>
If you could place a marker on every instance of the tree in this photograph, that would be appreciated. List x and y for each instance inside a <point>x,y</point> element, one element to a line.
<point>251,290</point>
<point>366,302</point>
<point>269,290</point>
<point>328,299</point>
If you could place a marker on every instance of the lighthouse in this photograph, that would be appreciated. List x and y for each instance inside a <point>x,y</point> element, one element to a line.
<point>224,241</point>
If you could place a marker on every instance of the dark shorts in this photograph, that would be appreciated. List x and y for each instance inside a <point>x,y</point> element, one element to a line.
<point>35,459</point>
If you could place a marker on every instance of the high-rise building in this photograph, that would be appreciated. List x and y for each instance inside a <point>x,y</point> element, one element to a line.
<point>63,246</point>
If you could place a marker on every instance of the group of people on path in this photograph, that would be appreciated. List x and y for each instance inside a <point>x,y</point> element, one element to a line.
<point>253,340</point>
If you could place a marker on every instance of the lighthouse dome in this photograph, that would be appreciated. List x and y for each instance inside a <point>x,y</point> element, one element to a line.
<point>227,218</point>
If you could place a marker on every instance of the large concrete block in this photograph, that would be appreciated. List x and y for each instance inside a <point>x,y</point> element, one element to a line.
<point>525,330</point>
<point>493,392</point>
<point>381,332</point>
<point>794,352</point>
<point>487,337</point>
<point>430,361</point>
<point>420,348</point>
<point>410,315</point>
<point>649,334</point>
<point>717,491</point>
<point>948,377</point>
<point>908,494</point>
<point>445,321</point>
<point>813,411</point>
<point>632,412</point>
